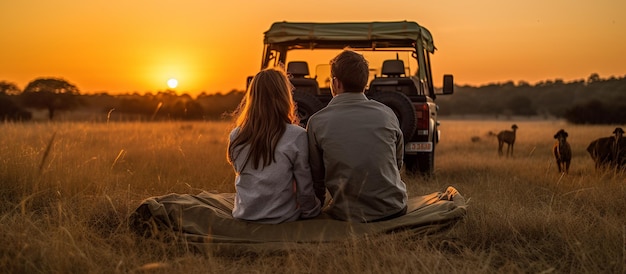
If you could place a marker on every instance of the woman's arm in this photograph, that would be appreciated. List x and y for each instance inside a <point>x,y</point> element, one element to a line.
<point>310,206</point>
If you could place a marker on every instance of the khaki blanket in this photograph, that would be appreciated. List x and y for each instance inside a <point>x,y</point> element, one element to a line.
<point>206,218</point>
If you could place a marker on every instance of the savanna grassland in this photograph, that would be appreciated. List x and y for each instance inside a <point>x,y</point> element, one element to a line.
<point>67,189</point>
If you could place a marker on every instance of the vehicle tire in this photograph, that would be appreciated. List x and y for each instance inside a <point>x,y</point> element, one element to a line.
<point>306,105</point>
<point>410,164</point>
<point>422,163</point>
<point>426,163</point>
<point>402,107</point>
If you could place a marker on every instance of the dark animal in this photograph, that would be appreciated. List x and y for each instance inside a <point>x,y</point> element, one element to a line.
<point>562,151</point>
<point>508,137</point>
<point>619,148</point>
<point>609,151</point>
<point>600,151</point>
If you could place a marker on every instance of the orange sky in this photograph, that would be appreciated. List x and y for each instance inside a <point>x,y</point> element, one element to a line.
<point>126,46</point>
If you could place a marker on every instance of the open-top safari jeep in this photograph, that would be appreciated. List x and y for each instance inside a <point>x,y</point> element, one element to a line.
<point>400,74</point>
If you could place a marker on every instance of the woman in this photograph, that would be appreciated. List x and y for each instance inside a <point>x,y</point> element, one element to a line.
<point>269,153</point>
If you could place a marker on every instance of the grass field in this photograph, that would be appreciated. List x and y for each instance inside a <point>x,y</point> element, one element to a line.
<point>66,190</point>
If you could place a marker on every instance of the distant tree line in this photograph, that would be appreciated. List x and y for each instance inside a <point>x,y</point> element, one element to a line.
<point>165,105</point>
<point>55,94</point>
<point>591,101</point>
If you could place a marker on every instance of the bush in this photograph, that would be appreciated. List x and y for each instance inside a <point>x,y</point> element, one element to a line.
<point>596,112</point>
<point>10,111</point>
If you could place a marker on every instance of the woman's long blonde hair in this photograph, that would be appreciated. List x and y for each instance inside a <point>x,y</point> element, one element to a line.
<point>262,116</point>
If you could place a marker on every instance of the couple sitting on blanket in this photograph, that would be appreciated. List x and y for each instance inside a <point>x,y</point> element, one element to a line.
<point>353,148</point>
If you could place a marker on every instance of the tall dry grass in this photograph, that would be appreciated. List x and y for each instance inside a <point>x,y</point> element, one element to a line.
<point>64,203</point>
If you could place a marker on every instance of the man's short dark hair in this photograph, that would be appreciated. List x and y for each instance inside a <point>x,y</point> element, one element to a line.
<point>351,69</point>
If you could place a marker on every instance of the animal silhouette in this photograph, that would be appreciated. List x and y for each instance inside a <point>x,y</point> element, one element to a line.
<point>618,150</point>
<point>609,151</point>
<point>508,137</point>
<point>562,151</point>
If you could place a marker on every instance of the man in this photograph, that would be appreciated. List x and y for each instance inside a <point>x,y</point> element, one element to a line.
<point>356,148</point>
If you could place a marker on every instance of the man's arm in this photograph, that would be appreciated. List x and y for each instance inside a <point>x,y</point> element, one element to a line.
<point>399,146</point>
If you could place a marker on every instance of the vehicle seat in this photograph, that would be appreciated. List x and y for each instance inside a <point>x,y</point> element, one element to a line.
<point>393,68</point>
<point>393,79</point>
<point>299,77</point>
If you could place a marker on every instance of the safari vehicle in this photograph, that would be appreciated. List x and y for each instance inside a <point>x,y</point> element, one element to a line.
<point>400,74</point>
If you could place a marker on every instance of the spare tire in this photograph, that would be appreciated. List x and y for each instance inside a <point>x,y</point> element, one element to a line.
<point>306,105</point>
<point>402,107</point>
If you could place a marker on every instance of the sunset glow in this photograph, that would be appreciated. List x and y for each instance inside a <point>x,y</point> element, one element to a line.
<point>132,46</point>
<point>172,83</point>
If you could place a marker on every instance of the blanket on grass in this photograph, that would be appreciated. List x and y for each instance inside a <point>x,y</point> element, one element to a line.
<point>206,218</point>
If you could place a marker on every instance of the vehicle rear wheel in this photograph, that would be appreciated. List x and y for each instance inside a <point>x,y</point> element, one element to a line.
<point>410,164</point>
<point>306,105</point>
<point>402,107</point>
<point>426,163</point>
<point>422,163</point>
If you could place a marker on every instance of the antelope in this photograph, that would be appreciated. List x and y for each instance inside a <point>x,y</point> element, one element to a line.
<point>562,151</point>
<point>609,151</point>
<point>508,137</point>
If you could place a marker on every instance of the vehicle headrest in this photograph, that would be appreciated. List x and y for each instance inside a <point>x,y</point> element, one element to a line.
<point>393,67</point>
<point>298,69</point>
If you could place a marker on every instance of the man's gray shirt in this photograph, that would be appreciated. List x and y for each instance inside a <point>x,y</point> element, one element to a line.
<point>356,150</point>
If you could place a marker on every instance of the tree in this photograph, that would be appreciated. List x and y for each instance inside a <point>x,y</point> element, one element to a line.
<point>52,94</point>
<point>594,77</point>
<point>9,109</point>
<point>7,88</point>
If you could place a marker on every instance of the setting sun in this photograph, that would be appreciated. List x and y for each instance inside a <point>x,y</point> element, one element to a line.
<point>172,83</point>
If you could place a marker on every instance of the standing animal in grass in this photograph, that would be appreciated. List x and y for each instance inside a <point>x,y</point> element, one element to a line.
<point>609,151</point>
<point>508,137</point>
<point>600,151</point>
<point>619,148</point>
<point>562,151</point>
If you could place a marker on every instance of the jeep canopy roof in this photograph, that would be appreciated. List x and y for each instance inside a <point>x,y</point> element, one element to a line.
<point>356,35</point>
